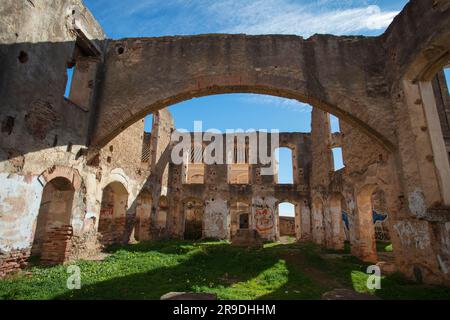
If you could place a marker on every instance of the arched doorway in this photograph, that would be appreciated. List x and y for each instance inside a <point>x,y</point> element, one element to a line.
<point>240,217</point>
<point>113,211</point>
<point>53,228</point>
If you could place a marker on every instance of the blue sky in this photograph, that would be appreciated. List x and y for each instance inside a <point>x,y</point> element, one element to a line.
<point>149,18</point>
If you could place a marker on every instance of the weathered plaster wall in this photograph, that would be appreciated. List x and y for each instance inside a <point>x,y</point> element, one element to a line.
<point>379,86</point>
<point>225,199</point>
<point>287,226</point>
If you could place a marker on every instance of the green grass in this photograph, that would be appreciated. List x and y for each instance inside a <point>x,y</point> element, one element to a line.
<point>149,270</point>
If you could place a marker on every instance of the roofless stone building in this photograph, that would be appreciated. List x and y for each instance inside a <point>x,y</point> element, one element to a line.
<point>77,173</point>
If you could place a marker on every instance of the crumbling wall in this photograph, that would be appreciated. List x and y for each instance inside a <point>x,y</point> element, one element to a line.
<point>41,130</point>
<point>225,200</point>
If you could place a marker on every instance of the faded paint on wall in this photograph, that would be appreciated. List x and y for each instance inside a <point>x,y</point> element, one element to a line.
<point>20,199</point>
<point>216,219</point>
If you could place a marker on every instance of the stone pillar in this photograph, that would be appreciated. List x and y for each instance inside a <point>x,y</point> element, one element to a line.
<point>175,214</point>
<point>365,245</point>
<point>337,230</point>
<point>305,221</point>
<point>143,211</point>
<point>298,221</point>
<point>317,224</point>
<point>321,167</point>
<point>216,220</point>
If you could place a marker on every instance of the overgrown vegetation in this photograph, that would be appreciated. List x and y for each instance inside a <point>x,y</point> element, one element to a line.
<point>149,270</point>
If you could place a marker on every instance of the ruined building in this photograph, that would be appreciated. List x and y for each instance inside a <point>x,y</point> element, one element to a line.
<point>78,173</point>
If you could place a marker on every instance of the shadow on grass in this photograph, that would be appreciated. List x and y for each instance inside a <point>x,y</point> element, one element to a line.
<point>279,271</point>
<point>275,272</point>
<point>205,266</point>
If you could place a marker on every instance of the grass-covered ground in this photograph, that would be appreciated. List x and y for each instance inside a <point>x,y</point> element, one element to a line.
<point>149,270</point>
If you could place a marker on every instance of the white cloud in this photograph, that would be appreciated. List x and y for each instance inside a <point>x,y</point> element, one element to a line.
<point>284,17</point>
<point>300,17</point>
<point>283,103</point>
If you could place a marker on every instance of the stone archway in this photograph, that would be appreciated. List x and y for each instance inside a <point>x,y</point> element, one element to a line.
<point>53,231</point>
<point>365,232</point>
<point>147,74</point>
<point>113,211</point>
<point>53,227</point>
<point>240,217</point>
<point>317,221</point>
<point>143,213</point>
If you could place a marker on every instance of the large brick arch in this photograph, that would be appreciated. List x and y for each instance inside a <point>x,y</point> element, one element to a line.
<point>341,75</point>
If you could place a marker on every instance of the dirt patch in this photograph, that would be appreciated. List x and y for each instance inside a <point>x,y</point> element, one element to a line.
<point>323,279</point>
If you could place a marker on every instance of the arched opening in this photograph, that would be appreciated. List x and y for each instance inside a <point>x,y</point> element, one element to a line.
<point>53,228</point>
<point>285,169</point>
<point>107,128</point>
<point>113,211</point>
<point>240,213</point>
<point>193,219</point>
<point>287,221</point>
